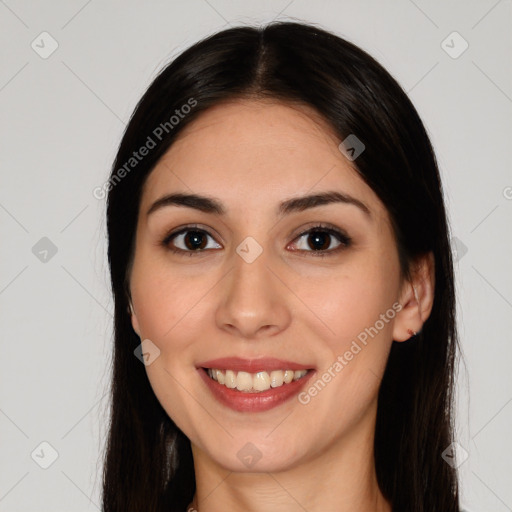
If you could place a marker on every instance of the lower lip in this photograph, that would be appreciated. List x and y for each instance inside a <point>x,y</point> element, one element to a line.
<point>254,402</point>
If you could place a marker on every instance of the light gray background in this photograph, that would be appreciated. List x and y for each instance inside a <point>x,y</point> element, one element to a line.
<point>61,121</point>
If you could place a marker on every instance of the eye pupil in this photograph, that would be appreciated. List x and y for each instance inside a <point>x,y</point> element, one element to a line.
<point>320,238</point>
<point>194,237</point>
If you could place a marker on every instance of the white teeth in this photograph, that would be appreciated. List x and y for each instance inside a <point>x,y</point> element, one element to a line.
<point>276,379</point>
<point>230,380</point>
<point>220,377</point>
<point>243,381</point>
<point>254,382</point>
<point>261,381</point>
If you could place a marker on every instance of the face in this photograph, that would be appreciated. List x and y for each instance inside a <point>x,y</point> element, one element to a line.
<point>314,285</point>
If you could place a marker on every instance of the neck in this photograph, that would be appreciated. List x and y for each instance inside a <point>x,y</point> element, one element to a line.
<point>342,477</point>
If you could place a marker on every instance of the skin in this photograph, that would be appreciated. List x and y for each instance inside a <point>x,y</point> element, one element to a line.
<point>293,305</point>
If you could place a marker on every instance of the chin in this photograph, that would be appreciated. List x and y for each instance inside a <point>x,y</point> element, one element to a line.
<point>245,454</point>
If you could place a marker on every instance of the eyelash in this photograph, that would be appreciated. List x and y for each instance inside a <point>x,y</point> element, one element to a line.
<point>345,240</point>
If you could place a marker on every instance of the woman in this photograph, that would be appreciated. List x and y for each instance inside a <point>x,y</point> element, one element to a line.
<point>280,262</point>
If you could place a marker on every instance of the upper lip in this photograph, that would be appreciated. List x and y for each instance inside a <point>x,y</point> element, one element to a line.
<point>252,365</point>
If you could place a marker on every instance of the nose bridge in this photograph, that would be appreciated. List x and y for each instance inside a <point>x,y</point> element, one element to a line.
<point>251,262</point>
<point>252,296</point>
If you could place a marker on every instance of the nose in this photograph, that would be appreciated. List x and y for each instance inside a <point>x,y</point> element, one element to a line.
<point>253,302</point>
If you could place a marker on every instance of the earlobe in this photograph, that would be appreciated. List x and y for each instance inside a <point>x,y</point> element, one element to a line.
<point>417,299</point>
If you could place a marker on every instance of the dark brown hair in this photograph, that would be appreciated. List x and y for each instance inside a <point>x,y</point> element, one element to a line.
<point>148,462</point>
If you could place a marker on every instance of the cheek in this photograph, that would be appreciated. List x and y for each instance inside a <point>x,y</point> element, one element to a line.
<point>168,309</point>
<point>161,296</point>
<point>357,315</point>
<point>174,311</point>
<point>351,302</point>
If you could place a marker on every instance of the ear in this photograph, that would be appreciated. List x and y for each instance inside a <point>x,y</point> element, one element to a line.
<point>135,322</point>
<point>416,298</point>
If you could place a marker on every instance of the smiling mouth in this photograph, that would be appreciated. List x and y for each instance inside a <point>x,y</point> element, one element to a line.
<point>254,382</point>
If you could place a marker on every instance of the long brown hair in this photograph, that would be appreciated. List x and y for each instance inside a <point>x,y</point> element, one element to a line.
<point>148,461</point>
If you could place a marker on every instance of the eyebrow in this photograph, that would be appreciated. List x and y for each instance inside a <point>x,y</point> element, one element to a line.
<point>295,204</point>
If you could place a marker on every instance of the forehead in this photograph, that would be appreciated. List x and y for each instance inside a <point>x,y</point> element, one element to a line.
<point>253,152</point>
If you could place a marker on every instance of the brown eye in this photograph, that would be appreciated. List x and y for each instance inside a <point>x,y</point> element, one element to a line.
<point>188,240</point>
<point>319,241</point>
<point>194,240</point>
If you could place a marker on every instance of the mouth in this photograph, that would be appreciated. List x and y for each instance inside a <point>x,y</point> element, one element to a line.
<point>254,382</point>
<point>254,385</point>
